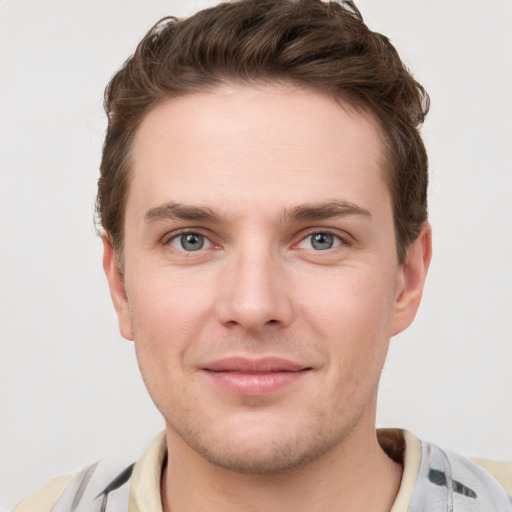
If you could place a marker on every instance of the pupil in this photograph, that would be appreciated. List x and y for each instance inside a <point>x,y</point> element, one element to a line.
<point>322,241</point>
<point>192,242</point>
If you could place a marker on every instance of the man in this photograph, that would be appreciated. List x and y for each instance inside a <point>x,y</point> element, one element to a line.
<point>263,200</point>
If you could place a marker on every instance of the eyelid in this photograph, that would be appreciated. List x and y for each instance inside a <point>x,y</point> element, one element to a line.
<point>173,235</point>
<point>342,236</point>
<point>170,235</point>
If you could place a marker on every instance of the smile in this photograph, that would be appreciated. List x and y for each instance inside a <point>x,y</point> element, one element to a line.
<point>254,377</point>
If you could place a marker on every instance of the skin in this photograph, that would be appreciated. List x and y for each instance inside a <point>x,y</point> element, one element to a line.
<point>240,162</point>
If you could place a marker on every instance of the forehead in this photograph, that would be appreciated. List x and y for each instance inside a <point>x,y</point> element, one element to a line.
<point>243,146</point>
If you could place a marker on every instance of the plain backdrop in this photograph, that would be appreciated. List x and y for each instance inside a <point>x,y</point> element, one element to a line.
<point>70,390</point>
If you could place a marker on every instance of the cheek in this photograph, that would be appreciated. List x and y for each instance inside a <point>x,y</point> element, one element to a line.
<point>352,321</point>
<point>353,301</point>
<point>168,311</point>
<point>167,319</point>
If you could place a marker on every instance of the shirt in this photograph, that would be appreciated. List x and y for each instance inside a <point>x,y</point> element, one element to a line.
<point>433,480</point>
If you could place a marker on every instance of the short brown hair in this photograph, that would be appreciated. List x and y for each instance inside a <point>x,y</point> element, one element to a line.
<point>324,46</point>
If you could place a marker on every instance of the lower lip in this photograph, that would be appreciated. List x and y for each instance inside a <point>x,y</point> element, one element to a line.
<point>254,384</point>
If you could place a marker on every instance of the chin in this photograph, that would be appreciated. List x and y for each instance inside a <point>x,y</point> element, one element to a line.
<point>263,456</point>
<point>265,447</point>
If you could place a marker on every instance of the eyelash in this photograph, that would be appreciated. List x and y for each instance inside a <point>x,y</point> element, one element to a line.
<point>166,240</point>
<point>343,240</point>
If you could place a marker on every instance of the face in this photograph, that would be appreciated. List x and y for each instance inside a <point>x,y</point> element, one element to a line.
<point>261,283</point>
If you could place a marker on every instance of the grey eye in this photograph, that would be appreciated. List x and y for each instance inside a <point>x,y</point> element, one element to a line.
<point>189,242</point>
<point>322,241</point>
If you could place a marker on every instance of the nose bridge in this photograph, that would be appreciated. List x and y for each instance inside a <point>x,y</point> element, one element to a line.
<point>254,292</point>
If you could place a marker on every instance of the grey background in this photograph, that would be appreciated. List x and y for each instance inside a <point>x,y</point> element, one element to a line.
<point>70,392</point>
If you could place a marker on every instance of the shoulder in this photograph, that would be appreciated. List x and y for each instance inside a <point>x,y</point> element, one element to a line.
<point>102,486</point>
<point>447,477</point>
<point>46,496</point>
<point>501,471</point>
<point>105,486</point>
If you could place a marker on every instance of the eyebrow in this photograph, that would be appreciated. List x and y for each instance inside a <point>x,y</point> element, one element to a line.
<point>319,211</point>
<point>299,213</point>
<point>172,210</point>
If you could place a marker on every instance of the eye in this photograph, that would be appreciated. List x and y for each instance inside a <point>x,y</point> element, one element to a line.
<point>190,242</point>
<point>320,241</point>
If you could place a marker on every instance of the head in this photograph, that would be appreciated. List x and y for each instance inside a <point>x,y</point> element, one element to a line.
<point>264,206</point>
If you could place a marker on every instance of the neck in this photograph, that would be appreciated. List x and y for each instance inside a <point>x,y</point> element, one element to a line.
<point>354,476</point>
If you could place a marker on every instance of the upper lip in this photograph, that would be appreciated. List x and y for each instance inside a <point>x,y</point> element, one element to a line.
<point>254,365</point>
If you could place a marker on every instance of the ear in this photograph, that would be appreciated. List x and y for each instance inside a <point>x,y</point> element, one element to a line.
<point>117,290</point>
<point>411,280</point>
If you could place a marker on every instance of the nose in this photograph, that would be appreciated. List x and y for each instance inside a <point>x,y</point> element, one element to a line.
<point>255,293</point>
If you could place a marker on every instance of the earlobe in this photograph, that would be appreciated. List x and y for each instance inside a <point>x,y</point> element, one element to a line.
<point>412,280</point>
<point>117,289</point>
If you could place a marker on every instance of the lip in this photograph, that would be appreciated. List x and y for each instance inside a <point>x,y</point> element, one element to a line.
<point>254,377</point>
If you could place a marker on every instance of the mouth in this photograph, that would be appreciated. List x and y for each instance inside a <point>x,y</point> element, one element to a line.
<point>254,377</point>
